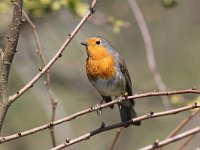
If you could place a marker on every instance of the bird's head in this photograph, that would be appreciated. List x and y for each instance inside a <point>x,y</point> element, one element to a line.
<point>97,46</point>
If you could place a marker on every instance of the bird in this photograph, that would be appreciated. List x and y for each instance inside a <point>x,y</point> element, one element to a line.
<point>108,73</point>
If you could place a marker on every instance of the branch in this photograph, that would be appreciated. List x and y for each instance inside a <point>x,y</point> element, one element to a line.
<point>119,130</point>
<point>96,108</point>
<point>158,144</point>
<point>182,124</point>
<point>7,57</point>
<point>104,128</point>
<point>182,147</point>
<point>48,76</point>
<point>13,37</point>
<point>56,56</point>
<point>149,49</point>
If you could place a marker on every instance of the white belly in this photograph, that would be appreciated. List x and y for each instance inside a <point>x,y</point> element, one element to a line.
<point>115,86</point>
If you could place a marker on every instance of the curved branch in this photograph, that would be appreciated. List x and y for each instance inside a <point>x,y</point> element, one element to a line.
<point>56,56</point>
<point>96,108</point>
<point>180,126</point>
<point>188,140</point>
<point>158,144</point>
<point>104,128</point>
<point>119,130</point>
<point>149,49</point>
<point>48,76</point>
<point>183,123</point>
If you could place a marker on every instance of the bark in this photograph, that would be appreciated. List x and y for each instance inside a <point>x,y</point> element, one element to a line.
<point>7,56</point>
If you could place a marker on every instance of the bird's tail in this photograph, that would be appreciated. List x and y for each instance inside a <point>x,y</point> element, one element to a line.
<point>127,112</point>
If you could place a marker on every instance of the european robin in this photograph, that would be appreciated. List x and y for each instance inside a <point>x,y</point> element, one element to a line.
<point>107,72</point>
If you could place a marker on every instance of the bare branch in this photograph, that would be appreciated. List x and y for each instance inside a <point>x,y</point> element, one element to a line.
<point>122,124</point>
<point>13,37</point>
<point>119,130</point>
<point>172,139</point>
<point>7,57</point>
<point>182,124</point>
<point>56,56</point>
<point>98,107</point>
<point>182,147</point>
<point>48,76</point>
<point>149,49</point>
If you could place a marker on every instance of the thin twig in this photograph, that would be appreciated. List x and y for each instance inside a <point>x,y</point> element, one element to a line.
<point>119,130</point>
<point>56,56</point>
<point>122,124</point>
<point>48,76</point>
<point>149,49</point>
<point>182,147</point>
<point>92,109</point>
<point>157,144</point>
<point>183,123</point>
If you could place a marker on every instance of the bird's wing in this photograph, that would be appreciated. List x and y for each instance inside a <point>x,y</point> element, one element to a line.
<point>126,75</point>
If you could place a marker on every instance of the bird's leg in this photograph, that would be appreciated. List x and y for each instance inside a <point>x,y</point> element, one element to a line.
<point>102,101</point>
<point>98,108</point>
<point>119,99</point>
<point>99,112</point>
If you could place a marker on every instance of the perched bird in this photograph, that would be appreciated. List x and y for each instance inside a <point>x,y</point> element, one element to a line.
<point>107,72</point>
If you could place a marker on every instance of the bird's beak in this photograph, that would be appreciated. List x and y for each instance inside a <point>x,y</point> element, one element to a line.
<point>84,43</point>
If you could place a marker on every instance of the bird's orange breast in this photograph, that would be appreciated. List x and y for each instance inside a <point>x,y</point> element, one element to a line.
<point>100,64</point>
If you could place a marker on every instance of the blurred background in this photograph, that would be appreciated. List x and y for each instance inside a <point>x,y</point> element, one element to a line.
<point>175,30</point>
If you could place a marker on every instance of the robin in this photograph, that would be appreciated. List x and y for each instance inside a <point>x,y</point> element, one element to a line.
<point>107,72</point>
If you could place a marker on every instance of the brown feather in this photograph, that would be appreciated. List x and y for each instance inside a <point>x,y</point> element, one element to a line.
<point>126,75</point>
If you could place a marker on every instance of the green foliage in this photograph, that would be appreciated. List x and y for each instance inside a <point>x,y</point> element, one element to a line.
<point>117,24</point>
<point>4,6</point>
<point>36,8</point>
<point>169,3</point>
<point>178,100</point>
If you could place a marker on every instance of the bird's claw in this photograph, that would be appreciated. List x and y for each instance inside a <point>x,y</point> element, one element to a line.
<point>119,99</point>
<point>98,109</point>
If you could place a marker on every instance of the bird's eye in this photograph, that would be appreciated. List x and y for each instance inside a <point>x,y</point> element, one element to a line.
<point>97,42</point>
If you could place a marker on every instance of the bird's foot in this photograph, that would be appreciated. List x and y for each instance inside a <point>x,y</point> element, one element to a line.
<point>98,109</point>
<point>120,99</point>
